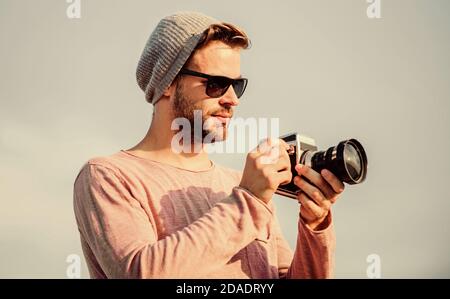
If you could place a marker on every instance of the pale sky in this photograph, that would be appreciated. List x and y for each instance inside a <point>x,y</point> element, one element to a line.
<point>68,93</point>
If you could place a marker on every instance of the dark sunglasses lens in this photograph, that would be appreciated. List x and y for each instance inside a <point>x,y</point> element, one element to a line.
<point>239,87</point>
<point>217,87</point>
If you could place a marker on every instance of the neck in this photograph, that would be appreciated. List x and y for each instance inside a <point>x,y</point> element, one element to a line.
<point>157,145</point>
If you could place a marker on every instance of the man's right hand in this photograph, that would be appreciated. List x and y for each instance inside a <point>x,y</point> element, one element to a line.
<point>266,168</point>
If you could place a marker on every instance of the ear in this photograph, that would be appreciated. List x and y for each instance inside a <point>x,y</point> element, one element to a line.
<point>167,92</point>
<point>171,88</point>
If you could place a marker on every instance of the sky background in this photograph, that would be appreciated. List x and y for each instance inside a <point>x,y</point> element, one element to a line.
<point>68,93</point>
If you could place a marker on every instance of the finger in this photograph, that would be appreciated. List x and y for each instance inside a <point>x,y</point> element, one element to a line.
<point>277,158</point>
<point>261,148</point>
<point>333,181</point>
<point>267,144</point>
<point>312,192</point>
<point>284,160</point>
<point>310,206</point>
<point>284,148</point>
<point>284,144</point>
<point>283,163</point>
<point>284,177</point>
<point>269,151</point>
<point>315,178</point>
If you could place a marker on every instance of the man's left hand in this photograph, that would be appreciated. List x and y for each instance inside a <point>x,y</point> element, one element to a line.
<point>317,195</point>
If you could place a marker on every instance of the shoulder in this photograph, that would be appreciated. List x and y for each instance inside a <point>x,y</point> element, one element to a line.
<point>102,166</point>
<point>113,161</point>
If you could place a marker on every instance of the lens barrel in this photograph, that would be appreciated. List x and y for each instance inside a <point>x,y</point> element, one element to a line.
<point>347,161</point>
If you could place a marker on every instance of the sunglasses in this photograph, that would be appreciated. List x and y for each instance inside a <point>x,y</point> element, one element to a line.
<point>217,86</point>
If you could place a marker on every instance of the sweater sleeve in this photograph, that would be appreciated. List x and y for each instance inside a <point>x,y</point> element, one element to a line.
<point>120,235</point>
<point>313,256</point>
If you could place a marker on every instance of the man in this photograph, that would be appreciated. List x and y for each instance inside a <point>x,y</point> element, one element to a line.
<point>154,212</point>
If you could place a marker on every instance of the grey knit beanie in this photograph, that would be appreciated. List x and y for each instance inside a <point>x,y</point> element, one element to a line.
<point>167,50</point>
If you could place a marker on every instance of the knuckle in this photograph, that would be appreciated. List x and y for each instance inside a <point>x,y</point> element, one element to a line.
<point>327,205</point>
<point>301,197</point>
<point>265,172</point>
<point>315,191</point>
<point>313,211</point>
<point>272,182</point>
<point>318,196</point>
<point>330,194</point>
<point>269,141</point>
<point>334,199</point>
<point>264,164</point>
<point>319,213</point>
<point>306,170</point>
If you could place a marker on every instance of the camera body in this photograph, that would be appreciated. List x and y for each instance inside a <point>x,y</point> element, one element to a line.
<point>298,144</point>
<point>347,160</point>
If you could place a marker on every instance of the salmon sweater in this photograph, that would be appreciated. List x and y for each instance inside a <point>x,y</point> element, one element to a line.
<point>140,218</point>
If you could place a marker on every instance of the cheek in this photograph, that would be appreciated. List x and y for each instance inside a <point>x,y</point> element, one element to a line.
<point>204,107</point>
<point>195,106</point>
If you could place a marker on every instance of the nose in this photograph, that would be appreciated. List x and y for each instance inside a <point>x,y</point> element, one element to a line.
<point>229,98</point>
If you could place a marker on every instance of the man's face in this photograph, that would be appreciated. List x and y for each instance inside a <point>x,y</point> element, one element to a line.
<point>216,58</point>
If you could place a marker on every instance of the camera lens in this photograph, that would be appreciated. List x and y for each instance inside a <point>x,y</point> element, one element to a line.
<point>352,161</point>
<point>347,160</point>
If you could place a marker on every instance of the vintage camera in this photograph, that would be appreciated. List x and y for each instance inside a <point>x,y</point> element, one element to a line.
<point>347,160</point>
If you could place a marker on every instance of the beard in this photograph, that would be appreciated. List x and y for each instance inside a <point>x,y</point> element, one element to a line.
<point>211,129</point>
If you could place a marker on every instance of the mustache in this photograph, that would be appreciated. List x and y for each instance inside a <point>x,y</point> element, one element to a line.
<point>227,112</point>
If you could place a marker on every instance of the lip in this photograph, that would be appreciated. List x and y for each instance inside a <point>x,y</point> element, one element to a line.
<point>222,115</point>
<point>224,118</point>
